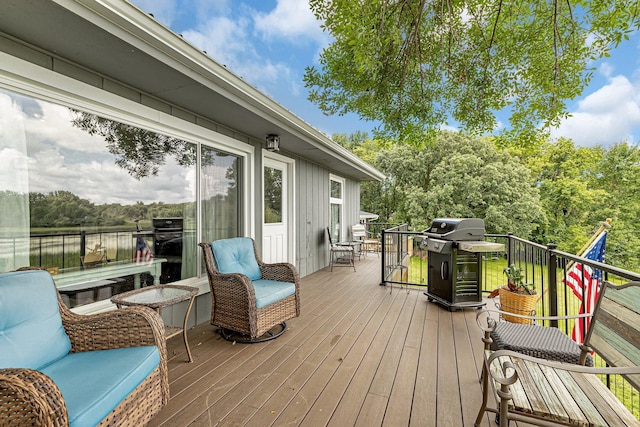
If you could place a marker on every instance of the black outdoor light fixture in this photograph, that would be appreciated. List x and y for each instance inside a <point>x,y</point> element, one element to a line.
<point>273,142</point>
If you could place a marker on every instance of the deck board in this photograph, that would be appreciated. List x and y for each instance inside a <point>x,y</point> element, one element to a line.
<point>359,354</point>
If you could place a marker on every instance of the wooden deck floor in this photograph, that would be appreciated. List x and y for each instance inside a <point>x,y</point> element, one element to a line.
<point>359,354</point>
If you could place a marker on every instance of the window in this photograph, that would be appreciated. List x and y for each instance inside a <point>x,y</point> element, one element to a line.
<point>336,192</point>
<point>272,195</point>
<point>106,206</point>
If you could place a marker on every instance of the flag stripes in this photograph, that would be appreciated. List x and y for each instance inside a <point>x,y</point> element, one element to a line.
<point>585,283</point>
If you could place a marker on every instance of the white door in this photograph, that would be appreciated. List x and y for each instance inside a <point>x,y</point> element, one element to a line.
<point>276,213</point>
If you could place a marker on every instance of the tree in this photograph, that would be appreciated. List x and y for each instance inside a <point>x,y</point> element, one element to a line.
<point>462,176</point>
<point>563,173</point>
<point>415,65</point>
<point>617,174</point>
<point>581,187</point>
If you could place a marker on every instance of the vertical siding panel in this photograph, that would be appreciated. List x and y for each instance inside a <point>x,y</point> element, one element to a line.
<point>309,229</point>
<point>322,251</point>
<point>312,214</point>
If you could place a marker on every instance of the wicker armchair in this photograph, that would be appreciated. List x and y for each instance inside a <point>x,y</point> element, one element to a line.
<point>250,300</point>
<point>42,340</point>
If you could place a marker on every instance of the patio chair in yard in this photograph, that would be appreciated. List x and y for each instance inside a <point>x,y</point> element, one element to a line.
<point>250,300</point>
<point>342,255</point>
<point>58,368</point>
<point>546,392</point>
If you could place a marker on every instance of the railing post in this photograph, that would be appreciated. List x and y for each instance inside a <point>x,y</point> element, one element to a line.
<point>553,282</point>
<point>383,259</point>
<point>83,244</point>
<point>509,248</point>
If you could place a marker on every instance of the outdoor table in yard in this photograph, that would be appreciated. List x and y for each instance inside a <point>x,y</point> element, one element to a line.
<point>159,296</point>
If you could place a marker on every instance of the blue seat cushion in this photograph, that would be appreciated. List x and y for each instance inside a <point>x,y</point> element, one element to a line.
<point>31,331</point>
<point>236,255</point>
<point>93,383</point>
<point>270,291</point>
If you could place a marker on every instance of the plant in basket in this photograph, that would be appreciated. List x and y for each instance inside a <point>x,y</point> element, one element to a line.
<point>517,296</point>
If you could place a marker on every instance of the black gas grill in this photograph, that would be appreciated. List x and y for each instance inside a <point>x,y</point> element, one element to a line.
<point>167,243</point>
<point>454,253</point>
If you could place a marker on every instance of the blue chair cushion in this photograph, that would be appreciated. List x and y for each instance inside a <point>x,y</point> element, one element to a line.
<point>236,255</point>
<point>270,291</point>
<point>31,331</point>
<point>93,383</point>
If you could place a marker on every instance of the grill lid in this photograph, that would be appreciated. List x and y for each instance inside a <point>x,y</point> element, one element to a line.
<point>167,224</point>
<point>463,229</point>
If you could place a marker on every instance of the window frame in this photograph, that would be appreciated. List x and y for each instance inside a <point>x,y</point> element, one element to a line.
<point>37,82</point>
<point>339,202</point>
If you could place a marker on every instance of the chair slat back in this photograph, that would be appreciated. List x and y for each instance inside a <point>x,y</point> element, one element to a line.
<point>359,232</point>
<point>330,239</point>
<point>614,332</point>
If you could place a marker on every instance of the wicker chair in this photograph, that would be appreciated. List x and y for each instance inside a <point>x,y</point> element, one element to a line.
<point>50,374</point>
<point>545,342</point>
<point>250,300</point>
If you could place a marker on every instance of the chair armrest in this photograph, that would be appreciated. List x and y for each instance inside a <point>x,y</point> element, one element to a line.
<point>126,327</point>
<point>534,318</point>
<point>281,271</point>
<point>236,287</point>
<point>29,397</point>
<point>612,370</point>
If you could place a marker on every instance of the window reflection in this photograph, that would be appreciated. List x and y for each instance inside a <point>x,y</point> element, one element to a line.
<point>85,196</point>
<point>272,195</point>
<point>219,177</point>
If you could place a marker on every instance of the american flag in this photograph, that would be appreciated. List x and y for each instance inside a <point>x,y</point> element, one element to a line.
<point>143,254</point>
<point>585,282</point>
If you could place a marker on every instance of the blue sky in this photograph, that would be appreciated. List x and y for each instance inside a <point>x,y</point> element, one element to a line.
<point>270,42</point>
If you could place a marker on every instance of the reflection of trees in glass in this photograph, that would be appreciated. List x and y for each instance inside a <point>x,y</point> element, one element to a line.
<point>65,209</point>
<point>140,152</point>
<point>59,209</point>
<point>272,195</point>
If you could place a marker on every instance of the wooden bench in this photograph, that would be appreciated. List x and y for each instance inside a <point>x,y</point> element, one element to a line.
<point>545,393</point>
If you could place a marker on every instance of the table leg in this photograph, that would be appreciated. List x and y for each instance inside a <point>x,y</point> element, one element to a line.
<point>184,328</point>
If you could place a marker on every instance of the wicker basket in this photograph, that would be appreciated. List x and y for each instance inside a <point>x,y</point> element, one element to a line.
<point>522,304</point>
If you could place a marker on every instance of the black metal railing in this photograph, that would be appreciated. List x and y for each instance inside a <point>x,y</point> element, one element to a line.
<point>65,250</point>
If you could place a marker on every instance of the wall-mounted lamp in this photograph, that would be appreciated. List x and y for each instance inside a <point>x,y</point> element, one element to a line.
<point>273,142</point>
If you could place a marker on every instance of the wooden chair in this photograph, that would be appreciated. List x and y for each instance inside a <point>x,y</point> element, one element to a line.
<point>544,392</point>
<point>342,255</point>
<point>359,235</point>
<point>93,259</point>
<point>250,300</point>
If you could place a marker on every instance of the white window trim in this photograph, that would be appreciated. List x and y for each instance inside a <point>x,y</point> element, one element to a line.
<point>336,201</point>
<point>29,79</point>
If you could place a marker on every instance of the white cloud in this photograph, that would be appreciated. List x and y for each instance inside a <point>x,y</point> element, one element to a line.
<point>606,69</point>
<point>228,42</point>
<point>605,117</point>
<point>291,20</point>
